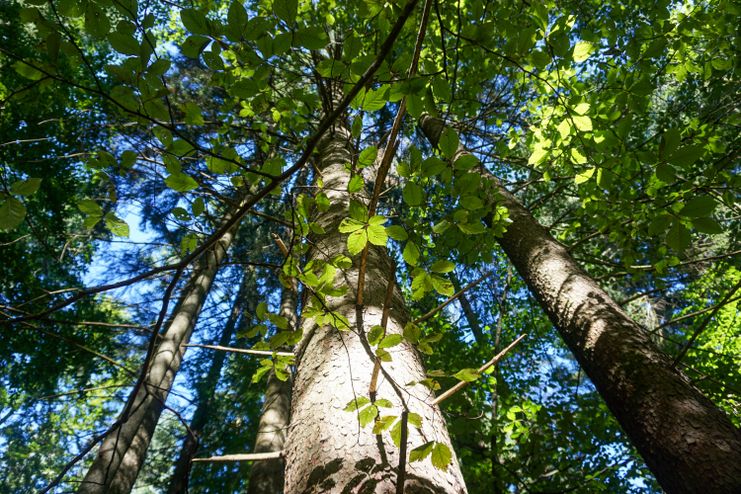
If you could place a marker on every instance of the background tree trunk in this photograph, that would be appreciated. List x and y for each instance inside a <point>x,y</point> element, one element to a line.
<point>268,476</point>
<point>206,390</point>
<point>687,442</point>
<point>122,452</point>
<point>327,450</point>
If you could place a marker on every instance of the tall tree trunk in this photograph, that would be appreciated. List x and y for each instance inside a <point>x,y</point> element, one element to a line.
<point>122,452</point>
<point>687,442</point>
<point>207,388</point>
<point>473,320</point>
<point>268,476</point>
<point>326,449</point>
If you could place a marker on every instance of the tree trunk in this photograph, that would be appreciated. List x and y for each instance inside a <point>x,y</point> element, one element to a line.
<point>206,390</point>
<point>327,450</point>
<point>473,320</point>
<point>686,441</point>
<point>268,476</point>
<point>122,452</point>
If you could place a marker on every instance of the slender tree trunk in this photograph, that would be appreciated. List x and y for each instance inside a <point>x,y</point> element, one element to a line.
<point>687,442</point>
<point>122,452</point>
<point>206,390</point>
<point>473,321</point>
<point>327,450</point>
<point>268,476</point>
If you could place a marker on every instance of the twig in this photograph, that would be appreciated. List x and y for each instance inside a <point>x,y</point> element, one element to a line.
<point>243,350</point>
<point>270,455</point>
<point>704,325</point>
<point>450,392</point>
<point>452,298</point>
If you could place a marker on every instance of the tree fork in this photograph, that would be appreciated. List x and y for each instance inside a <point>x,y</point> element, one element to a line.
<point>687,442</point>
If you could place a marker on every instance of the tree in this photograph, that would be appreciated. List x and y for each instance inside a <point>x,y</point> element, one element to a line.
<point>612,126</point>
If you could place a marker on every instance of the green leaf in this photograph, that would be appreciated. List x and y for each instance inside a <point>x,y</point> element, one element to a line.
<point>686,155</point>
<point>377,220</point>
<point>367,415</point>
<point>411,253</point>
<point>90,207</point>
<point>181,182</point>
<point>699,207</point>
<point>374,100</point>
<point>466,161</point>
<point>665,173</point>
<point>397,232</point>
<point>375,334</point>
<point>395,433</point>
<point>390,340</point>
<point>448,142</point>
<point>367,156</point>
<point>194,21</point>
<point>472,203</point>
<point>312,38</point>
<point>584,176</point>
<point>564,128</point>
<point>442,286</point>
<point>377,235</point>
<point>355,184</point>
<point>582,51</point>
<point>358,211</point>
<point>25,70</point>
<point>237,21</point>
<point>412,332</point>
<point>707,225</point>
<point>678,237</point>
<point>413,194</point>
<point>467,375</point>
<point>414,419</point>
<point>356,403</point>
<point>581,108</point>
<point>384,403</point>
<point>116,225</point>
<point>12,214</point>
<point>442,266</point>
<point>472,228</point>
<point>349,225</point>
<point>193,114</point>
<point>582,122</point>
<point>356,241</point>
<point>286,10</point>
<point>25,187</point>
<point>193,46</point>
<point>383,423</point>
<point>124,43</point>
<point>421,452</point>
<point>441,456</point>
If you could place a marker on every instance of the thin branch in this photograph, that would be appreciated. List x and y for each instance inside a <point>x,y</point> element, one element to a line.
<point>450,392</point>
<point>243,350</point>
<point>271,455</point>
<point>704,324</point>
<point>452,298</point>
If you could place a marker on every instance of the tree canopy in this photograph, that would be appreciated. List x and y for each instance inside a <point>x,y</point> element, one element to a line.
<point>135,136</point>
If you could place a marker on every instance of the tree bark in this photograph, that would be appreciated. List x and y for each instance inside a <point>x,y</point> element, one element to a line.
<point>327,450</point>
<point>122,452</point>
<point>687,442</point>
<point>206,390</point>
<point>473,320</point>
<point>268,476</point>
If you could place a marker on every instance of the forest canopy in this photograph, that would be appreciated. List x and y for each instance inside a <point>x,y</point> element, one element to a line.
<point>369,246</point>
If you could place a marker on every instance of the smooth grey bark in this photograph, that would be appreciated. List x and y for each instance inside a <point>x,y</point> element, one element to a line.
<point>122,452</point>
<point>268,476</point>
<point>688,443</point>
<point>327,450</point>
<point>207,388</point>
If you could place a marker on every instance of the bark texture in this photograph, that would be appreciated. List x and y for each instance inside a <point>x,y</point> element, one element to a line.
<point>687,442</point>
<point>327,451</point>
<point>122,452</point>
<point>206,390</point>
<point>267,476</point>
